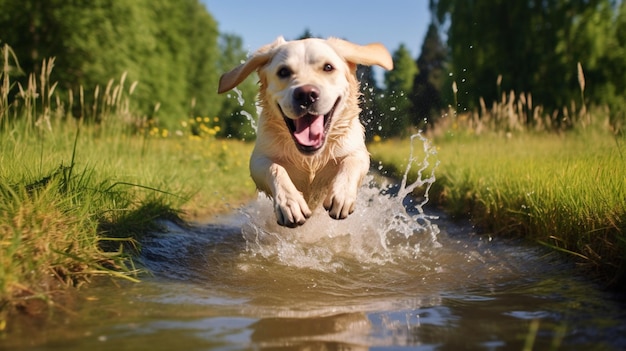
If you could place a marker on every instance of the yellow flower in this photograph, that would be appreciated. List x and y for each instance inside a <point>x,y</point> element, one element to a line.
<point>198,119</point>
<point>377,138</point>
<point>165,133</point>
<point>205,128</point>
<point>184,124</point>
<point>216,119</point>
<point>207,120</point>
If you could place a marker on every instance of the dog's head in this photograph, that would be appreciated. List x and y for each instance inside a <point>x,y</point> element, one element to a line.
<point>306,82</point>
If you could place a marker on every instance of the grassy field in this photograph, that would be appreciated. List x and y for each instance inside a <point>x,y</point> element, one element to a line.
<point>564,190</point>
<point>80,184</point>
<point>77,192</point>
<point>69,212</point>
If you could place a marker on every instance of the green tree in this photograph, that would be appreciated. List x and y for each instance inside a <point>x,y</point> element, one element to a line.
<point>307,34</point>
<point>603,42</point>
<point>426,95</point>
<point>534,45</point>
<point>156,42</point>
<point>238,110</point>
<point>396,105</point>
<point>369,101</point>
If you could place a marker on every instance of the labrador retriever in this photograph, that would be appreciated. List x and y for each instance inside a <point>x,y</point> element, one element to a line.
<point>310,146</point>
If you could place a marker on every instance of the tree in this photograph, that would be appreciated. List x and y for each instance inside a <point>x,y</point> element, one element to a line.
<point>204,61</point>
<point>534,45</point>
<point>604,45</point>
<point>154,41</point>
<point>238,110</point>
<point>396,106</point>
<point>426,96</point>
<point>369,101</point>
<point>307,34</point>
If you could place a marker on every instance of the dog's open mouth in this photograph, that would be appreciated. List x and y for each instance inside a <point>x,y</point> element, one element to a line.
<point>309,131</point>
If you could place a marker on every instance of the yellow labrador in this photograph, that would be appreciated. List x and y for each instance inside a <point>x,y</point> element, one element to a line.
<point>310,146</point>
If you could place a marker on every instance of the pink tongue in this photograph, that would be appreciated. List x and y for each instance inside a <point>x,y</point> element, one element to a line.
<point>309,130</point>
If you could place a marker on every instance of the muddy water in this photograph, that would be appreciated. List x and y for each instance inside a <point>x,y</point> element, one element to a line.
<point>383,279</point>
<point>391,276</point>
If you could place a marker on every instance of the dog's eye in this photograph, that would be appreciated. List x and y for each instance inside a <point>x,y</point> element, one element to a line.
<point>284,72</point>
<point>328,67</point>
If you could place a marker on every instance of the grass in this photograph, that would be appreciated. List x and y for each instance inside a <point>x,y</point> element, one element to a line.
<point>57,213</point>
<point>514,169</point>
<point>80,184</point>
<point>564,190</point>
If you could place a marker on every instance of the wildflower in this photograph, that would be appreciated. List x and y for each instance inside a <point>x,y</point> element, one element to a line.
<point>206,119</point>
<point>216,119</point>
<point>377,138</point>
<point>204,129</point>
<point>165,133</point>
<point>183,124</point>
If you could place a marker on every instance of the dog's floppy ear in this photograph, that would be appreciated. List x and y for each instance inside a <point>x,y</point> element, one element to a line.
<point>232,78</point>
<point>370,54</point>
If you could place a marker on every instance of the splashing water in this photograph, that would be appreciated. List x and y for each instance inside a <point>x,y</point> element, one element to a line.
<point>384,229</point>
<point>242,101</point>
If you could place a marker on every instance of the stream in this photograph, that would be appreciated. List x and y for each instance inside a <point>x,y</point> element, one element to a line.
<point>394,275</point>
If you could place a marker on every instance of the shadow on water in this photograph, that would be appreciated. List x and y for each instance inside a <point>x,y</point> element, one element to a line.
<point>389,276</point>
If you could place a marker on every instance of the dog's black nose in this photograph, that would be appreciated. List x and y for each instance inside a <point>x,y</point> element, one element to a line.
<point>306,95</point>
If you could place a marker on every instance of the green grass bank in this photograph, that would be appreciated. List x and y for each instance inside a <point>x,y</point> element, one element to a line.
<point>563,190</point>
<point>81,183</point>
<point>74,205</point>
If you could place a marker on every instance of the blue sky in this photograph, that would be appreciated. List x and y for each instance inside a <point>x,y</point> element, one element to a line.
<point>390,22</point>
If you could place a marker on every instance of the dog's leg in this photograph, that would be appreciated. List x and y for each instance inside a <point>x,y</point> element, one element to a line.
<point>341,198</point>
<point>289,205</point>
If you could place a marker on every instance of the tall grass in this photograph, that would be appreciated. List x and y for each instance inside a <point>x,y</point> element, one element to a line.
<point>516,112</point>
<point>515,170</point>
<point>80,184</point>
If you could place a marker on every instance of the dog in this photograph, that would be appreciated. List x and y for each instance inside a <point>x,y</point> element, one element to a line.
<point>310,145</point>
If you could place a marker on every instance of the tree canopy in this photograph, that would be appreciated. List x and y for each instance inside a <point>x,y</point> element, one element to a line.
<point>397,107</point>
<point>173,49</point>
<point>535,46</point>
<point>169,47</point>
<point>426,93</point>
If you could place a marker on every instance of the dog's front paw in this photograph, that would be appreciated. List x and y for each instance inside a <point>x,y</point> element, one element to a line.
<point>291,210</point>
<point>340,203</point>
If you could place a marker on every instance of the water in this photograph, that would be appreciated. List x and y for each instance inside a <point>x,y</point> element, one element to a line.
<point>391,276</point>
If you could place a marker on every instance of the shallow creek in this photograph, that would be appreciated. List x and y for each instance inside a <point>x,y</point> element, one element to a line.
<point>383,279</point>
<point>391,276</point>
